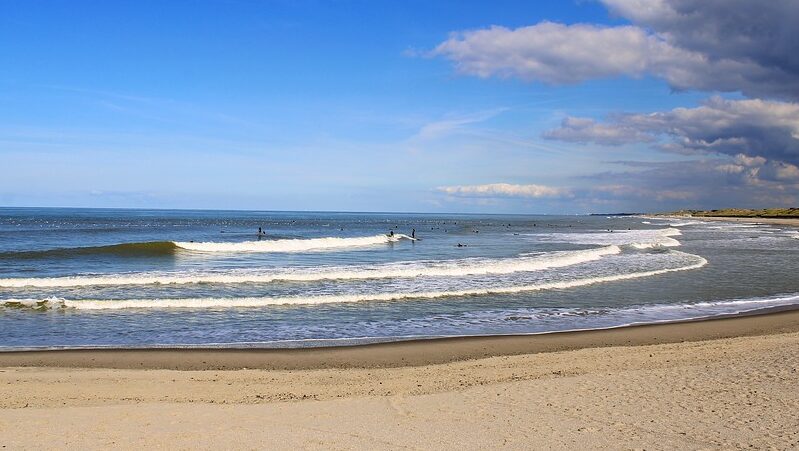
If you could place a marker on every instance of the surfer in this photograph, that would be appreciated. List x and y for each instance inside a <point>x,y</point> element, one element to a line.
<point>391,233</point>
<point>413,233</point>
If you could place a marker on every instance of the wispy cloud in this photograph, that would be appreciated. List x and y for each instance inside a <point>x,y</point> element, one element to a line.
<point>154,108</point>
<point>448,126</point>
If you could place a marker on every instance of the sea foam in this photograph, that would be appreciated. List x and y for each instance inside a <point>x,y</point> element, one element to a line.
<point>200,303</point>
<point>638,239</point>
<point>292,245</point>
<point>446,268</point>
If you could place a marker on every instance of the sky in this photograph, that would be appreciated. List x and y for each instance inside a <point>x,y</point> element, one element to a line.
<point>554,107</point>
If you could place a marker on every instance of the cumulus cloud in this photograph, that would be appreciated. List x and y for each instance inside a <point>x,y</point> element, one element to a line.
<point>746,151</point>
<point>738,181</point>
<point>751,127</point>
<point>583,130</point>
<point>504,190</point>
<point>707,183</point>
<point>551,52</point>
<point>757,170</point>
<point>780,171</point>
<point>763,32</point>
<point>705,45</point>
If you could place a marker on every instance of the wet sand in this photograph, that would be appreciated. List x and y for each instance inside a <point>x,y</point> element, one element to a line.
<point>725,383</point>
<point>406,353</point>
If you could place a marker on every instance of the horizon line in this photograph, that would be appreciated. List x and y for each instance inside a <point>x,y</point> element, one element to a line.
<point>320,211</point>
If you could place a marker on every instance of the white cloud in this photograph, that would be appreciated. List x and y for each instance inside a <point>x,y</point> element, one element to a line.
<point>696,184</point>
<point>552,52</point>
<point>760,31</point>
<point>582,130</point>
<point>730,168</point>
<point>779,172</point>
<point>505,190</point>
<point>444,127</point>
<point>706,45</point>
<point>747,161</point>
<point>749,128</point>
<point>748,149</point>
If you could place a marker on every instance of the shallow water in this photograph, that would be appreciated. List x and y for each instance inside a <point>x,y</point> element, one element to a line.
<point>72,277</point>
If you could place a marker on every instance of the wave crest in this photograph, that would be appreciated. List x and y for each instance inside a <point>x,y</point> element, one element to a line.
<point>291,245</point>
<point>167,248</point>
<point>453,268</point>
<point>94,304</point>
<point>145,249</point>
<point>638,239</point>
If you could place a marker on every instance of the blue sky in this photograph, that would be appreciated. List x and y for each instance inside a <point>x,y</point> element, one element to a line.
<point>359,106</point>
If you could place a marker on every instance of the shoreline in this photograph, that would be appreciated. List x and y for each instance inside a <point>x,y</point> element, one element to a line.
<point>715,393</point>
<point>413,352</point>
<point>738,219</point>
<point>334,343</point>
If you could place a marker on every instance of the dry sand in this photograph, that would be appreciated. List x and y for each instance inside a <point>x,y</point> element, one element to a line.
<point>696,389</point>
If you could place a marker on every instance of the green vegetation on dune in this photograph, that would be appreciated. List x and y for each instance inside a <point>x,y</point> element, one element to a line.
<point>742,213</point>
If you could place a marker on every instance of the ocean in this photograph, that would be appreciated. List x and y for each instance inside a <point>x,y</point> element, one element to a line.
<point>72,278</point>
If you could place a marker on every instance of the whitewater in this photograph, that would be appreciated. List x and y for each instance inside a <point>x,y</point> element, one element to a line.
<point>292,245</point>
<point>192,278</point>
<point>453,268</point>
<point>259,302</point>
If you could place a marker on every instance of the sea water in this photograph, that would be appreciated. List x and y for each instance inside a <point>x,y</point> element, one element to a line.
<point>148,278</point>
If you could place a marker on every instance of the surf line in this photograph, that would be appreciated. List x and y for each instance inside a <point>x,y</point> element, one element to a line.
<point>443,268</point>
<point>94,304</point>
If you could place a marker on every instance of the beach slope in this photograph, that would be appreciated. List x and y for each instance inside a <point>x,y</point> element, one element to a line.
<point>699,391</point>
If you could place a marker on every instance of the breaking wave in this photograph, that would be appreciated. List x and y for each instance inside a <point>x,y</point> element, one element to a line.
<point>684,223</point>
<point>167,248</point>
<point>638,239</point>
<point>291,245</point>
<point>452,268</point>
<point>199,303</point>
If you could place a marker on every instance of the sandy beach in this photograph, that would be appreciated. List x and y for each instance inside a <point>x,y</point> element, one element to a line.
<point>378,225</point>
<point>725,383</point>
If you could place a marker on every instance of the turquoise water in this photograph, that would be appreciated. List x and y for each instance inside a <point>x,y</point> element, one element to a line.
<point>80,277</point>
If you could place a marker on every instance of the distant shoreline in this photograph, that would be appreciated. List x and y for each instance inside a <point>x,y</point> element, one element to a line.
<point>739,219</point>
<point>771,213</point>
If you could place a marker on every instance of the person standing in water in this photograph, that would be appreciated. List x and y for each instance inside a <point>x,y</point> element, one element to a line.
<point>413,233</point>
